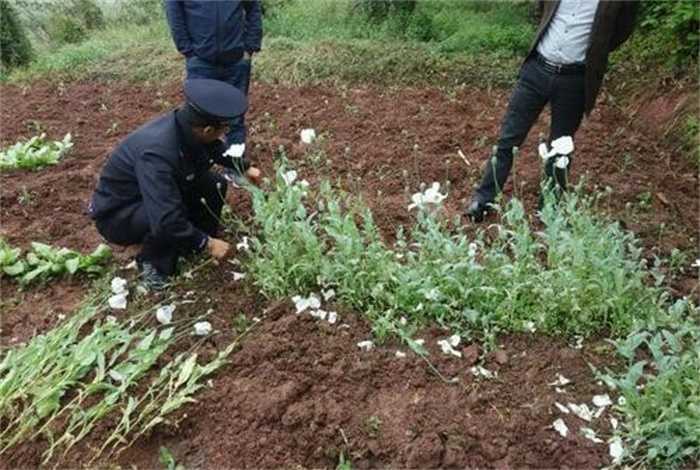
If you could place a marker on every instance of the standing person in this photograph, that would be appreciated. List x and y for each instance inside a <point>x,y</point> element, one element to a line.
<point>156,188</point>
<point>218,39</point>
<point>565,68</point>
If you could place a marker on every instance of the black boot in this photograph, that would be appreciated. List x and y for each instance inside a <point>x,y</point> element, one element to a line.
<point>151,279</point>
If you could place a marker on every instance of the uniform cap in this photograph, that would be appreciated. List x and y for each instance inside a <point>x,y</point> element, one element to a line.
<point>214,99</point>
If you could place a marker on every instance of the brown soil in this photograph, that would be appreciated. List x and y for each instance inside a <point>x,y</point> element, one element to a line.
<point>300,392</point>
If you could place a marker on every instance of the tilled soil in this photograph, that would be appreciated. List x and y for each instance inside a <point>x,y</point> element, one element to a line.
<point>300,392</point>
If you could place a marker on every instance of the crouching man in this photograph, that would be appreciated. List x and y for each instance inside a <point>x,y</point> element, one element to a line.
<point>157,189</point>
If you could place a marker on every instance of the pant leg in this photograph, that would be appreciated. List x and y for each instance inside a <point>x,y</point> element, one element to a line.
<point>526,103</point>
<point>200,68</point>
<point>568,103</point>
<point>238,75</point>
<point>130,226</point>
<point>205,203</point>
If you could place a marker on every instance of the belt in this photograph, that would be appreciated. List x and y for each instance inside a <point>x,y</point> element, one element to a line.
<point>561,69</point>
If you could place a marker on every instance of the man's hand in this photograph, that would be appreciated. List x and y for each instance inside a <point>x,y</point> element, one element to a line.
<point>254,175</point>
<point>217,248</point>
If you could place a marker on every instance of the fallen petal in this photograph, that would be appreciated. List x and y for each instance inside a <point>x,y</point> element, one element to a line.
<point>202,328</point>
<point>365,345</point>
<point>238,276</point>
<point>616,450</point>
<point>332,317</point>
<point>118,285</point>
<point>562,408</point>
<point>560,426</point>
<point>589,434</point>
<point>118,301</point>
<point>602,401</point>
<point>164,314</point>
<point>400,354</point>
<point>308,136</point>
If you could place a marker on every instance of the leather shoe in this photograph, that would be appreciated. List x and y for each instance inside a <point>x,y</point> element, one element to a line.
<point>476,210</point>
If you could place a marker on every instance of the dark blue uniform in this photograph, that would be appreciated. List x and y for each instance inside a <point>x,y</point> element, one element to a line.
<point>156,189</point>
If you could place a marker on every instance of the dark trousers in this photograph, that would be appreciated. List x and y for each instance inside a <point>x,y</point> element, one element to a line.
<point>129,225</point>
<point>236,74</point>
<point>535,88</point>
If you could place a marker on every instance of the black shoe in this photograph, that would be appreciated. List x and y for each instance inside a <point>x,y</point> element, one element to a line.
<point>476,210</point>
<point>151,279</point>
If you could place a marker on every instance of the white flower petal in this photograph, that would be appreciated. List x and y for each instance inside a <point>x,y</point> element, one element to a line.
<point>118,301</point>
<point>332,317</point>
<point>118,285</point>
<point>400,354</point>
<point>582,411</point>
<point>617,451</point>
<point>365,345</point>
<point>235,151</point>
<point>116,376</point>
<point>164,314</point>
<point>446,348</point>
<point>479,371</point>
<point>328,294</point>
<point>613,423</point>
<point>202,328</point>
<point>562,162</point>
<point>238,276</point>
<point>562,408</point>
<point>419,342</point>
<point>289,177</point>
<point>563,145</point>
<point>602,401</point>
<point>560,426</point>
<point>560,381</point>
<point>454,340</point>
<point>589,434</point>
<point>308,135</point>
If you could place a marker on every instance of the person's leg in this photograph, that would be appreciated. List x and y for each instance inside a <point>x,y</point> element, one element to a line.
<point>204,205</point>
<point>568,103</point>
<point>529,97</point>
<point>238,75</point>
<point>129,226</point>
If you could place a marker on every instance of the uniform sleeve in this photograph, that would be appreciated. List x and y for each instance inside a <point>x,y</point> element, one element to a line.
<point>175,11</point>
<point>253,25</point>
<point>624,24</point>
<point>163,203</point>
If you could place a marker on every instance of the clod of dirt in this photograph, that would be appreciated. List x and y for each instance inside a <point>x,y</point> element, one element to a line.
<point>470,354</point>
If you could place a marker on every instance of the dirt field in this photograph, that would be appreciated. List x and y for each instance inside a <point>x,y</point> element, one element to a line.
<point>299,393</point>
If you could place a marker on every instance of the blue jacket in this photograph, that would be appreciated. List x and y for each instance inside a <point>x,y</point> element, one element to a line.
<point>154,166</point>
<point>216,31</point>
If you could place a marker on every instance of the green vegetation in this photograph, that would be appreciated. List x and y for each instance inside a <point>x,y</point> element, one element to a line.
<point>45,262</point>
<point>94,368</point>
<point>660,394</point>
<point>578,275</point>
<point>15,48</point>
<point>34,153</point>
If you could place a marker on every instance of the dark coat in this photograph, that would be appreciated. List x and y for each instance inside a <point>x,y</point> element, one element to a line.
<point>218,31</point>
<point>613,24</point>
<point>155,166</point>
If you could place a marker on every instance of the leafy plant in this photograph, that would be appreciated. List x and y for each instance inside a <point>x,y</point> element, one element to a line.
<point>660,390</point>
<point>15,48</point>
<point>34,153</point>
<point>45,261</point>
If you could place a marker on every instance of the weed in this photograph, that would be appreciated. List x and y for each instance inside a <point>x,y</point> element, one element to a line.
<point>343,463</point>
<point>373,426</point>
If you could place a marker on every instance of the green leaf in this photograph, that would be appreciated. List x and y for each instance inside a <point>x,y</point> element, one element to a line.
<point>15,269</point>
<point>166,458</point>
<point>186,370</point>
<point>72,265</point>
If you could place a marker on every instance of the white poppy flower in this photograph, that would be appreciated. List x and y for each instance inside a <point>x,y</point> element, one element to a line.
<point>589,434</point>
<point>560,426</point>
<point>454,340</point>
<point>622,401</point>
<point>202,328</point>
<point>616,450</point>
<point>563,145</point>
<point>328,294</point>
<point>118,285</point>
<point>472,249</point>
<point>601,401</point>
<point>118,301</point>
<point>529,326</point>
<point>447,348</point>
<point>308,136</point>
<point>613,423</point>
<point>332,317</point>
<point>561,381</point>
<point>289,177</point>
<point>164,314</point>
<point>403,321</point>
<point>562,162</point>
<point>243,245</point>
<point>238,276</point>
<point>365,345</point>
<point>400,354</point>
<point>235,151</point>
<point>430,197</point>
<point>582,411</point>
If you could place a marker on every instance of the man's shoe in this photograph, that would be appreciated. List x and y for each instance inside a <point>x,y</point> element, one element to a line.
<point>151,279</point>
<point>476,210</point>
